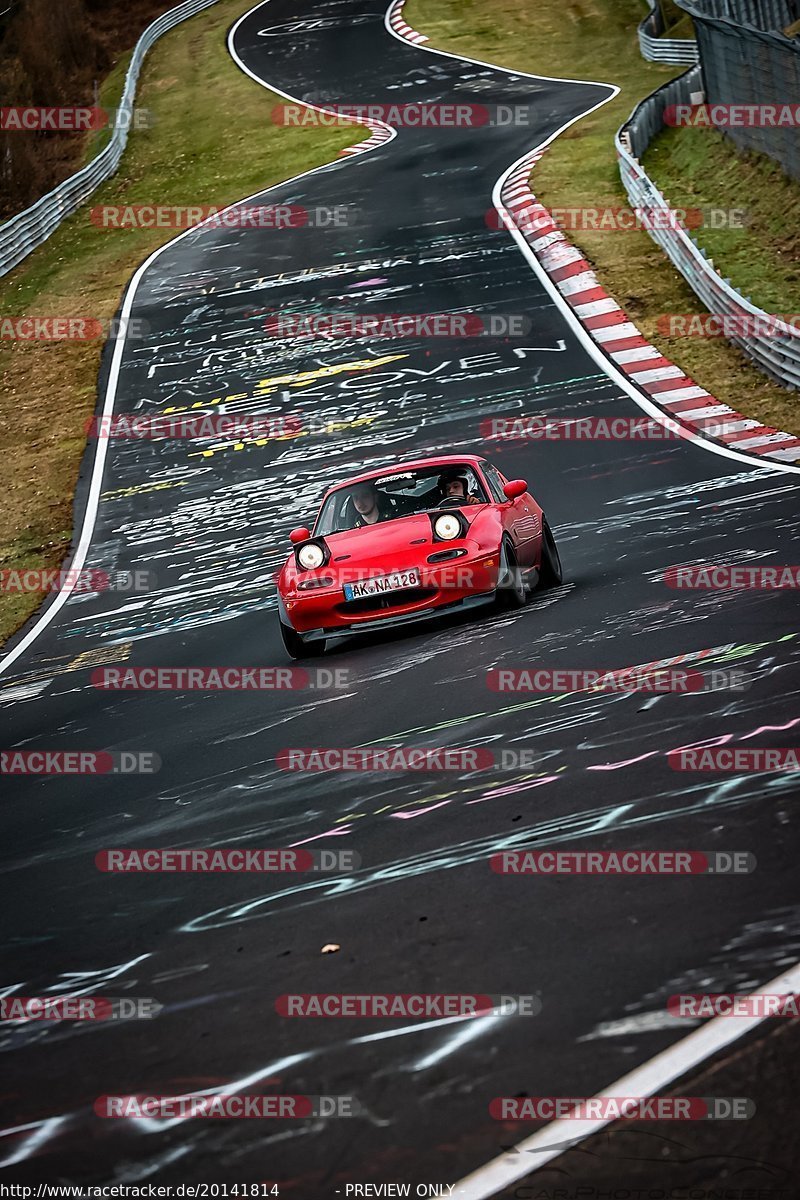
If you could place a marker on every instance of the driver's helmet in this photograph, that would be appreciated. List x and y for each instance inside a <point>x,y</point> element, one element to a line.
<point>448,477</point>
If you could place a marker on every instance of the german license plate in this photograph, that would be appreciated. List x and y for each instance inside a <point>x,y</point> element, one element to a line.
<point>384,583</point>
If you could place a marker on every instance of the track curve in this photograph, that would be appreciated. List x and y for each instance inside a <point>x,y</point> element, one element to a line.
<point>423,912</point>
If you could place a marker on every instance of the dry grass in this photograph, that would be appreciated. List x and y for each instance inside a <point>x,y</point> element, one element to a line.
<point>211,143</point>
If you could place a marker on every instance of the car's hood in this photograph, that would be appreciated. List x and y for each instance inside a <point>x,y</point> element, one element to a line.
<point>388,537</point>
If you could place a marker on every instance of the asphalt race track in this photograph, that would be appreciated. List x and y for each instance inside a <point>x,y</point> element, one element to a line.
<point>423,912</point>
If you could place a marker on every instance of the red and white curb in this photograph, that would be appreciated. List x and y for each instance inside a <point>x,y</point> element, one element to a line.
<point>664,383</point>
<point>380,134</point>
<point>654,1076</point>
<point>661,384</point>
<point>395,18</point>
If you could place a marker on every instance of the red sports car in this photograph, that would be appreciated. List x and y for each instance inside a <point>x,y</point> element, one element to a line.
<point>415,540</point>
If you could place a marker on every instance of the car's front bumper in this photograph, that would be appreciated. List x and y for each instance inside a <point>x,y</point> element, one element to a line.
<point>447,587</point>
<point>370,624</point>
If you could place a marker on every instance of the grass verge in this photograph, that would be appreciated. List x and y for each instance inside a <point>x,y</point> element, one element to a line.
<point>699,168</point>
<point>596,40</point>
<point>211,142</point>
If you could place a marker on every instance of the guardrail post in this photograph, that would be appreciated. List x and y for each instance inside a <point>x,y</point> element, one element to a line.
<point>778,357</point>
<point>21,234</point>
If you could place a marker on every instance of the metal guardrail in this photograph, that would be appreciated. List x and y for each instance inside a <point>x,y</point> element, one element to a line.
<point>678,51</point>
<point>28,229</point>
<point>778,356</point>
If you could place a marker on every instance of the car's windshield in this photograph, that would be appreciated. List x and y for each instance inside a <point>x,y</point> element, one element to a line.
<point>399,494</point>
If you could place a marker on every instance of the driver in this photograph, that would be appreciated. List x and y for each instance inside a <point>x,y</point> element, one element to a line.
<point>370,505</point>
<point>455,490</point>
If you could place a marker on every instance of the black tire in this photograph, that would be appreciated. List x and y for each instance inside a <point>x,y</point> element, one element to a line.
<point>296,647</point>
<point>551,574</point>
<point>511,591</point>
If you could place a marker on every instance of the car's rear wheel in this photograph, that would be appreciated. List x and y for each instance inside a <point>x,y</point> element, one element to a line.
<point>511,589</point>
<point>550,574</point>
<point>296,647</point>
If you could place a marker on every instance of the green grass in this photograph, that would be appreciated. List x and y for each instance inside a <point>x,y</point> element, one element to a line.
<point>677,23</point>
<point>596,40</point>
<point>212,142</point>
<point>109,97</point>
<point>682,28</point>
<point>700,168</point>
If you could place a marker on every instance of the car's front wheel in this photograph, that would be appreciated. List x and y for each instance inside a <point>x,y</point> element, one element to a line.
<point>511,589</point>
<point>550,573</point>
<point>296,647</point>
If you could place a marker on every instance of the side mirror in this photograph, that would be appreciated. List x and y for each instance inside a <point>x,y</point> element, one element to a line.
<point>515,488</point>
<point>300,534</point>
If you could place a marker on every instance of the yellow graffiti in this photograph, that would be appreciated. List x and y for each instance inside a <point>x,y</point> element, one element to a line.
<point>139,488</point>
<point>103,654</point>
<point>330,427</point>
<point>303,378</point>
<point>297,379</point>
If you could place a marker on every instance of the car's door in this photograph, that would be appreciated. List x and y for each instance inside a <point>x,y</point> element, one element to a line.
<point>520,517</point>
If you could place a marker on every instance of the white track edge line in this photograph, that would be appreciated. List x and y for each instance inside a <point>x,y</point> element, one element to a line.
<point>618,377</point>
<point>643,1081</point>
<point>98,463</point>
<point>607,365</point>
<point>398,4</point>
<point>718,1033</point>
<point>498,1170</point>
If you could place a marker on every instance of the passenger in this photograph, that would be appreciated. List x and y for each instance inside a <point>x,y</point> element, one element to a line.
<point>370,505</point>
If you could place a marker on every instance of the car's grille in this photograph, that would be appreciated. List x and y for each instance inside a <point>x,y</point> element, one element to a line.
<point>371,604</point>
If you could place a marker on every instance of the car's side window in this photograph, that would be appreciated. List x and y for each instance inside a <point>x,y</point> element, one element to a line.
<point>475,485</point>
<point>496,482</point>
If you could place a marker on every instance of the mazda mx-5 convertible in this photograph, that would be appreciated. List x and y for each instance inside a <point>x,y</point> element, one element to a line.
<point>416,540</point>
